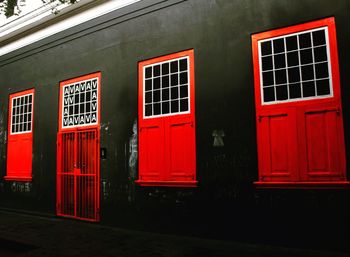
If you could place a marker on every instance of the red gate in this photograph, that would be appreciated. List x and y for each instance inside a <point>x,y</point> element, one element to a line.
<point>77,174</point>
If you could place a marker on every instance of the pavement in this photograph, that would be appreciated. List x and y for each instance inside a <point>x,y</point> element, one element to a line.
<point>24,235</point>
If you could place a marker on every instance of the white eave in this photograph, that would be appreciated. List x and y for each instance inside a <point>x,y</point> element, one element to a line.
<point>14,34</point>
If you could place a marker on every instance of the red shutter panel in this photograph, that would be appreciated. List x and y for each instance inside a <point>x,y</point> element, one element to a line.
<point>181,150</point>
<point>19,148</point>
<point>151,151</point>
<point>323,145</point>
<point>277,142</point>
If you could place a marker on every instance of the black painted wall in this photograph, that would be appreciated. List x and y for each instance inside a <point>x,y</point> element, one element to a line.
<point>225,204</point>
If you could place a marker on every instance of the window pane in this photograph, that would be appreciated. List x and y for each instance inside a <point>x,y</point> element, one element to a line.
<point>267,63</point>
<point>268,78</point>
<point>165,107</point>
<point>322,70</point>
<point>293,59</point>
<point>292,43</point>
<point>280,61</point>
<point>293,75</point>
<point>278,45</point>
<point>269,94</point>
<point>156,83</point>
<point>148,85</point>
<point>295,90</point>
<point>183,65</point>
<point>165,94</point>
<point>148,97</point>
<point>148,72</point>
<point>305,40</point>
<point>323,87</point>
<point>281,76</point>
<point>320,54</point>
<point>165,68</point>
<point>165,81</point>
<point>281,92</point>
<point>156,70</point>
<point>183,91</point>
<point>184,105</point>
<point>309,89</point>
<point>266,48</point>
<point>307,72</point>
<point>174,93</point>
<point>174,106</point>
<point>319,37</point>
<point>148,110</point>
<point>306,56</point>
<point>156,96</point>
<point>156,108</point>
<point>174,66</point>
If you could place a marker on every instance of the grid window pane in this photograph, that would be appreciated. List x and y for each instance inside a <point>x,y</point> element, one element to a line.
<point>80,103</point>
<point>21,115</point>
<point>166,92</point>
<point>280,61</point>
<point>295,66</point>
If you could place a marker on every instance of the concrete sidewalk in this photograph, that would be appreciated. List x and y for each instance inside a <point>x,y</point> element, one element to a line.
<point>23,235</point>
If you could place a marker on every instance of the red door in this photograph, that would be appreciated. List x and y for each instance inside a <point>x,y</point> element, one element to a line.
<point>77,175</point>
<point>78,171</point>
<point>167,153</point>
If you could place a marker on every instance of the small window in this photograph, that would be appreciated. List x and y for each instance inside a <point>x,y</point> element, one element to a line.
<point>20,138</point>
<point>166,88</point>
<point>167,155</point>
<point>21,114</point>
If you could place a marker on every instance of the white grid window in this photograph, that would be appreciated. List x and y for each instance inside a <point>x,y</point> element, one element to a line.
<point>21,114</point>
<point>295,66</point>
<point>80,103</point>
<point>166,88</point>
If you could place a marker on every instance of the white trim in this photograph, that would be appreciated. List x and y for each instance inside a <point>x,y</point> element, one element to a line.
<point>40,16</point>
<point>302,98</point>
<point>178,86</point>
<point>31,114</point>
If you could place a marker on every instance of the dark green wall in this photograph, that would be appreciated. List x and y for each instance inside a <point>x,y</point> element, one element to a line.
<point>220,32</point>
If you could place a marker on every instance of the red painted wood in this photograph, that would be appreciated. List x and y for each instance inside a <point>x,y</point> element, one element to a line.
<point>167,151</point>
<point>19,147</point>
<point>300,141</point>
<point>77,177</point>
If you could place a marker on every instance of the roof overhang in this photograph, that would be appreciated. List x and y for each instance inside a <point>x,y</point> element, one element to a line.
<point>43,22</point>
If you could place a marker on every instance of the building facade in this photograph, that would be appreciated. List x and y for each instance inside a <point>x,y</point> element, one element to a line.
<point>196,116</point>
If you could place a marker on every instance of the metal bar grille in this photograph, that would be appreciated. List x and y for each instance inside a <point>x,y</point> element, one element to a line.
<point>77,175</point>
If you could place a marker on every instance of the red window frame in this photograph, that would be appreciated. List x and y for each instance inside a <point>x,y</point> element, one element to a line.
<point>167,144</point>
<point>20,143</point>
<point>327,104</point>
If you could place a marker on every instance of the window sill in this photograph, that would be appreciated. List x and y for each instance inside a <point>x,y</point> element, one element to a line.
<point>167,183</point>
<point>303,185</point>
<point>18,178</point>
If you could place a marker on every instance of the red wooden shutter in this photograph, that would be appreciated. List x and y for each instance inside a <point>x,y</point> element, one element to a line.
<point>298,104</point>
<point>167,121</point>
<point>20,136</point>
<point>277,146</point>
